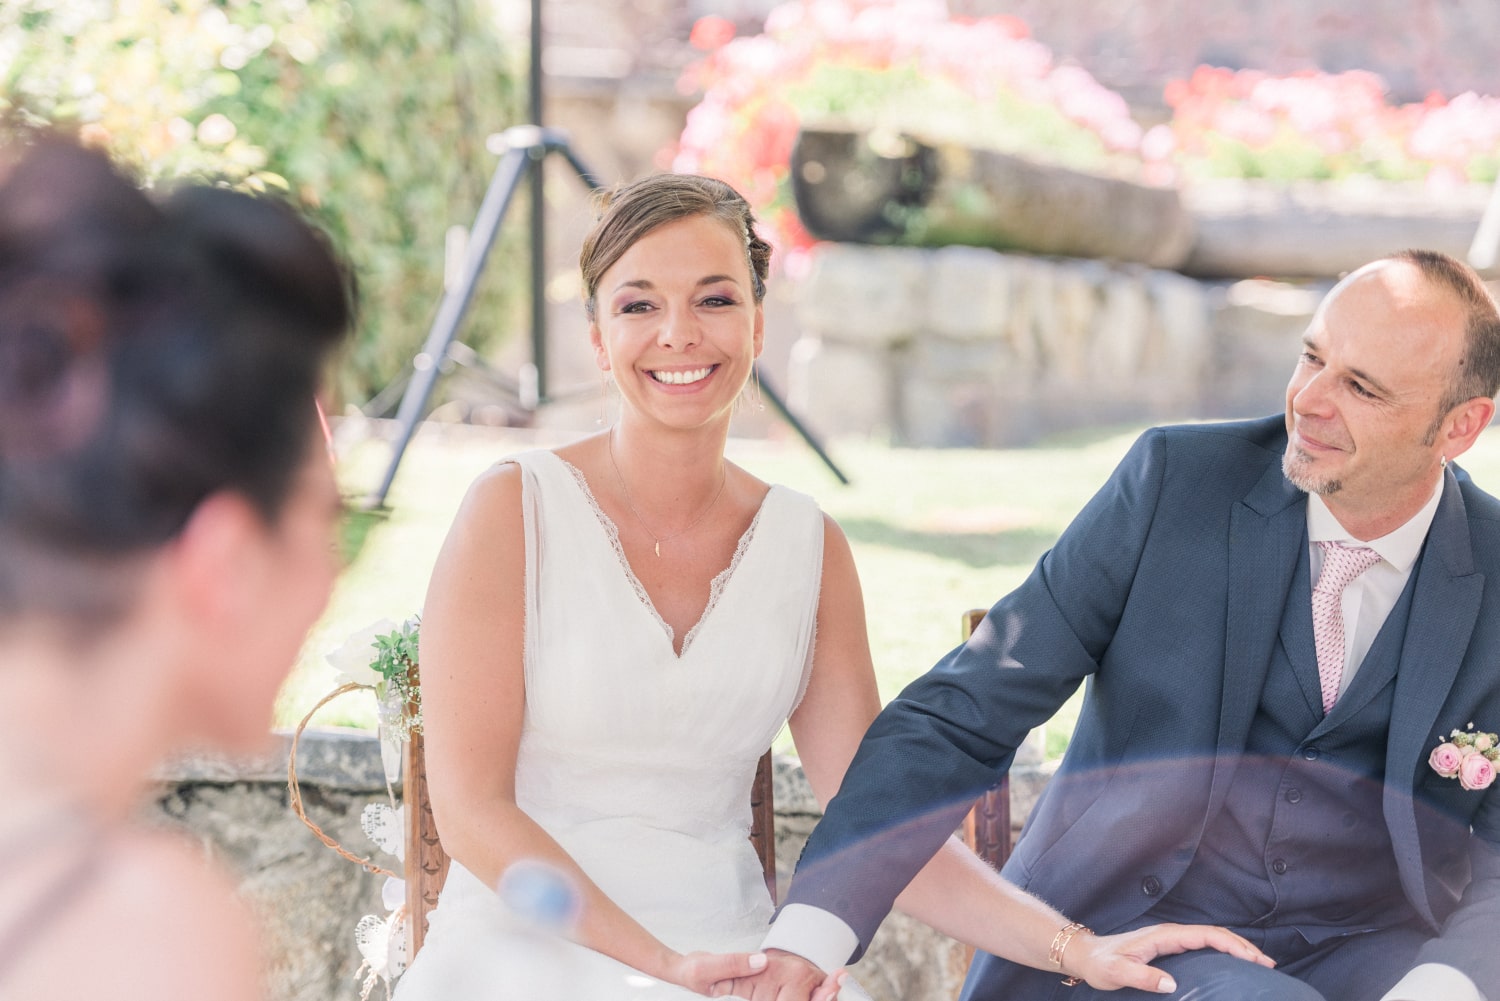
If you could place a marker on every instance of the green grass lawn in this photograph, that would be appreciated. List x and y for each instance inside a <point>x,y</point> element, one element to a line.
<point>934,532</point>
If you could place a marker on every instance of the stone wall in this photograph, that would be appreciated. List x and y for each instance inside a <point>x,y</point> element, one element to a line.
<point>309,899</point>
<point>961,346</point>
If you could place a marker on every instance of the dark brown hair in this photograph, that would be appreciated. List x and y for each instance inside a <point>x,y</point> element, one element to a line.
<point>154,350</point>
<point>629,212</point>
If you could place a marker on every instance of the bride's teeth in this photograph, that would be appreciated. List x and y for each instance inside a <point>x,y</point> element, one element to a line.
<point>682,378</point>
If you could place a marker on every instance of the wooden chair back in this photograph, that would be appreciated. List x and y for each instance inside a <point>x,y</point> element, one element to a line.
<point>986,828</point>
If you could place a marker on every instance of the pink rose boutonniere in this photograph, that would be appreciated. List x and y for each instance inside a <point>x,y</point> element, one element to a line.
<point>1467,756</point>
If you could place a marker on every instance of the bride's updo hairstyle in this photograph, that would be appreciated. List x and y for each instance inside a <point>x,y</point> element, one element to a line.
<point>154,351</point>
<point>630,211</point>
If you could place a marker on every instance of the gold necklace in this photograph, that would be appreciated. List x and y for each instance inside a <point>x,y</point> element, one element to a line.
<point>625,491</point>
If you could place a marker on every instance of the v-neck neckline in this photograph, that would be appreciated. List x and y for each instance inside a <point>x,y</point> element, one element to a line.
<point>716,586</point>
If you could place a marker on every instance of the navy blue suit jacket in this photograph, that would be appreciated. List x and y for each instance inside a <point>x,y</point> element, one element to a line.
<point>1165,596</point>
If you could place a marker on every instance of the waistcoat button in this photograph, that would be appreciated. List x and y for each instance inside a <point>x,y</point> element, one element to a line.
<point>1279,867</point>
<point>1151,886</point>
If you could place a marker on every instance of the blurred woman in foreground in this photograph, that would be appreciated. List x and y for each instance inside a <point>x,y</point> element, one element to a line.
<point>166,525</point>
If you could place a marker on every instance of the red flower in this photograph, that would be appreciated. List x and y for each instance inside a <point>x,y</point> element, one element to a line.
<point>710,33</point>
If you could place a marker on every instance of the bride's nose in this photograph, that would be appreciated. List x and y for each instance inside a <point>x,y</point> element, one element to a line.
<point>679,329</point>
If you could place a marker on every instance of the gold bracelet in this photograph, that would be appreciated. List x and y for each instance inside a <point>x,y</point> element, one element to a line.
<point>1059,946</point>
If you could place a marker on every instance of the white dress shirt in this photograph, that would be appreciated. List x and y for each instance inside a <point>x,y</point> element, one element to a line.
<point>828,942</point>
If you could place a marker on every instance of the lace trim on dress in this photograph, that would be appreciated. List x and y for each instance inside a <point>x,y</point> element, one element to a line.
<point>715,587</point>
<point>613,534</point>
<point>721,579</point>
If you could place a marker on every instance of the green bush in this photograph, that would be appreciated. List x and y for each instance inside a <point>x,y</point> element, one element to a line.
<point>372,117</point>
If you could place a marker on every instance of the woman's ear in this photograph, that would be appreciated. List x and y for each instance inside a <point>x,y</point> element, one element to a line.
<point>760,328</point>
<point>596,338</point>
<point>217,559</point>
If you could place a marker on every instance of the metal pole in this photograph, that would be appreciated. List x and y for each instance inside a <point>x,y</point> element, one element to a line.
<point>769,392</point>
<point>538,218</point>
<point>427,364</point>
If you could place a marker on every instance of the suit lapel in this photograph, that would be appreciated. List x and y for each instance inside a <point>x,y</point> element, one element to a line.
<point>1444,608</point>
<point>1297,633</point>
<point>1265,530</point>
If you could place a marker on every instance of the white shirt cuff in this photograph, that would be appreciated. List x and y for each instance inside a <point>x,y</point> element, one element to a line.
<point>1434,982</point>
<point>821,938</point>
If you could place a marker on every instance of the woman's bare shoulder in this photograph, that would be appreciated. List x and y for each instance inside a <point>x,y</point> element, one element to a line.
<point>156,920</point>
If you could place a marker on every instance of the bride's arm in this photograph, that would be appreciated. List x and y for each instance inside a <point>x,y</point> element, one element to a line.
<point>473,700</point>
<point>956,893</point>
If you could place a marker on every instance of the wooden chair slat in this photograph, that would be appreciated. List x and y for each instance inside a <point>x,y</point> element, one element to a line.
<point>987,826</point>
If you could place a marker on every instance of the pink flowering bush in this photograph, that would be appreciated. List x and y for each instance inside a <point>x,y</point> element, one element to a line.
<point>1245,123</point>
<point>907,66</point>
<point>903,65</point>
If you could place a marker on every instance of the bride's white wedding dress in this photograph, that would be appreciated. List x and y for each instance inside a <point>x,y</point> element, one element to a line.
<point>636,759</point>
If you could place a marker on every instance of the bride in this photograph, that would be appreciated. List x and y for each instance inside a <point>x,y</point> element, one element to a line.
<point>616,630</point>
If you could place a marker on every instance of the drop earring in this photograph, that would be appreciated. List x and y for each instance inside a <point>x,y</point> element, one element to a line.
<point>603,417</point>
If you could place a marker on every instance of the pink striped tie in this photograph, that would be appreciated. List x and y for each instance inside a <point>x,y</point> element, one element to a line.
<point>1341,564</point>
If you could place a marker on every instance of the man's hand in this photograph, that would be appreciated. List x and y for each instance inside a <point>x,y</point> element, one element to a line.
<point>1111,962</point>
<point>787,977</point>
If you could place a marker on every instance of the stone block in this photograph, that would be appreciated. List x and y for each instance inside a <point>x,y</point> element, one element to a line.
<point>1180,347</point>
<point>970,294</point>
<point>1257,335</point>
<point>1033,312</point>
<point>953,393</point>
<point>864,295</point>
<point>306,897</point>
<point>1065,312</point>
<point>1120,332</point>
<point>842,388</point>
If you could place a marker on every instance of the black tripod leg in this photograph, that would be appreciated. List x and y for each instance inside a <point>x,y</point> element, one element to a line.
<point>812,441</point>
<point>580,168</point>
<point>427,365</point>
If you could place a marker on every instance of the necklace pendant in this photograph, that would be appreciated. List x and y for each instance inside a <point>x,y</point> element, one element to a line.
<point>658,549</point>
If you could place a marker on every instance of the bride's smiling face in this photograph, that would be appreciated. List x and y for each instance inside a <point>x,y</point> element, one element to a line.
<point>677,323</point>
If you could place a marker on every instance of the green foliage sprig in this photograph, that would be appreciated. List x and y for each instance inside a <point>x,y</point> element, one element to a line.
<point>386,658</point>
<point>397,660</point>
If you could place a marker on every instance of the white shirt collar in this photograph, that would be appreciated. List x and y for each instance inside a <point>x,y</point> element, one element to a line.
<point>1398,548</point>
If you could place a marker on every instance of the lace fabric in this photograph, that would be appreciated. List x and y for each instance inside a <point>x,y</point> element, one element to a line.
<point>715,586</point>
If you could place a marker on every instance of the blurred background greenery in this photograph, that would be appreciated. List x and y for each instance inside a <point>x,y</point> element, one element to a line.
<point>371,117</point>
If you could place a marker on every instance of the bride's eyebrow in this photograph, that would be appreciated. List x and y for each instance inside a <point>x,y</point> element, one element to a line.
<point>645,284</point>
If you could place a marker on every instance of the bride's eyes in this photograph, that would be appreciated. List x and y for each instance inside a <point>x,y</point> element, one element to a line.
<point>638,306</point>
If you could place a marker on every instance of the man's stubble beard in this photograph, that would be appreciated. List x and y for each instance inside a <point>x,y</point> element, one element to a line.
<point>1292,463</point>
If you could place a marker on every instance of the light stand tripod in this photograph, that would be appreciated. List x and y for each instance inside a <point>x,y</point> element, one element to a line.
<point>525,147</point>
<point>523,150</point>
